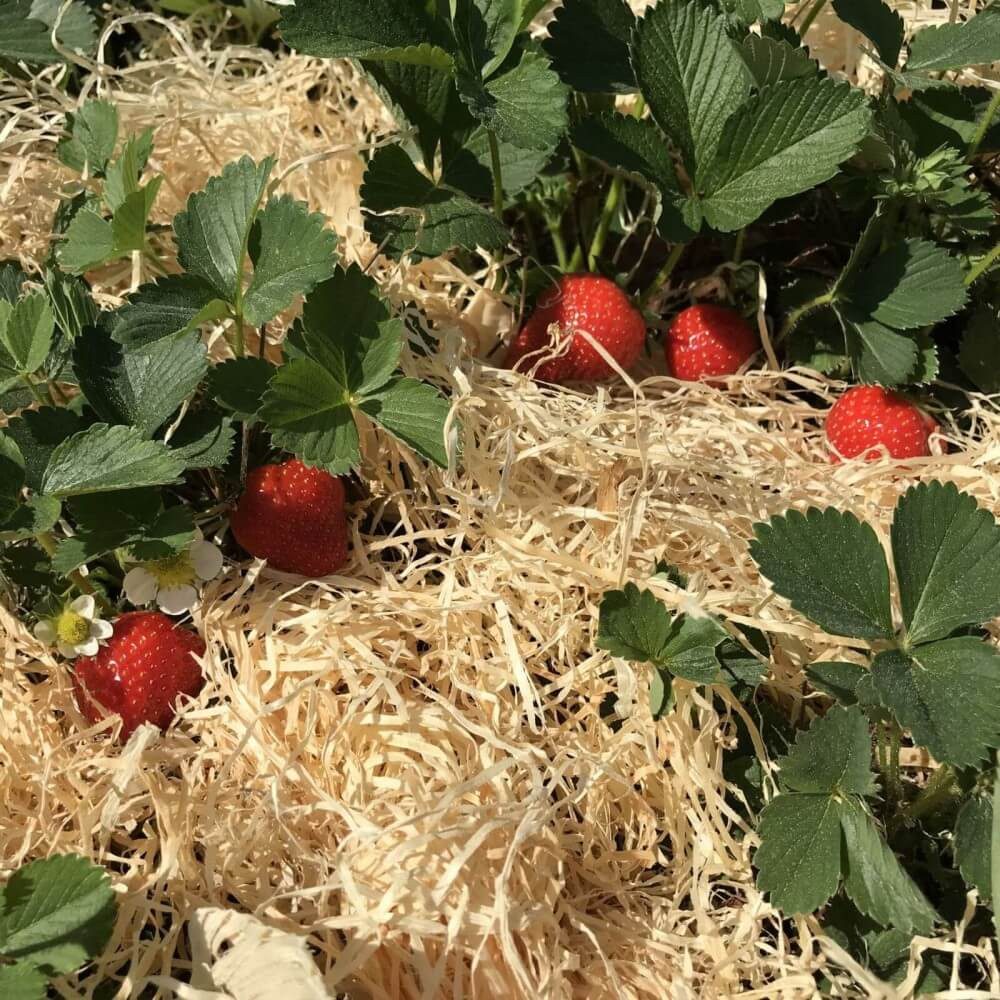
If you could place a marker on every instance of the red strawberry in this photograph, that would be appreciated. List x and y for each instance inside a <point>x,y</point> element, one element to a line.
<point>293,516</point>
<point>580,302</point>
<point>868,416</point>
<point>140,672</point>
<point>706,341</point>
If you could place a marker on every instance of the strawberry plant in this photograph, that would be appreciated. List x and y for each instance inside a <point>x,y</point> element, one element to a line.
<point>55,915</point>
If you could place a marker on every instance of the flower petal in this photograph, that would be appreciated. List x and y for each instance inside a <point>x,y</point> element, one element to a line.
<point>45,631</point>
<point>101,629</point>
<point>176,600</point>
<point>140,586</point>
<point>88,647</point>
<point>67,650</point>
<point>84,606</point>
<point>206,559</point>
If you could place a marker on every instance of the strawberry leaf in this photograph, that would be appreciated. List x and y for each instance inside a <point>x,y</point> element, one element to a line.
<point>75,29</point>
<point>414,412</point>
<point>122,176</point>
<point>628,145</point>
<point>239,385</point>
<point>26,333</point>
<point>396,30</point>
<point>975,42</point>
<point>946,694</point>
<point>213,232</point>
<point>139,386</point>
<point>947,555</point>
<point>879,354</point>
<point>11,475</point>
<point>91,137</point>
<point>830,567</point>
<point>204,439</point>
<point>22,981</point>
<point>832,755</point>
<point>23,37</point>
<point>525,106</point>
<point>485,31</point>
<point>408,214</point>
<point>878,22</point>
<point>799,858</point>
<point>788,138</point>
<point>875,880</point>
<point>174,304</point>
<point>292,251</point>
<point>89,242</point>
<point>691,75</point>
<point>601,29</point>
<point>977,355</point>
<point>57,914</point>
<point>772,59</point>
<point>103,458</point>
<point>973,842</point>
<point>38,433</point>
<point>469,167</point>
<point>30,519</point>
<point>837,679</point>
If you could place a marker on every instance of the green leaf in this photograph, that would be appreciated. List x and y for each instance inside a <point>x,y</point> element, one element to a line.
<point>22,981</point>
<point>980,345</point>
<point>397,30</point>
<point>213,231</point>
<point>787,138</point>
<point>30,519</point>
<point>526,106</point>
<point>798,861</point>
<point>173,531</point>
<point>881,355</point>
<point>601,30</point>
<point>414,412</point>
<point>469,167</point>
<point>173,304</point>
<point>913,283</point>
<point>58,913</point>
<point>973,840</point>
<point>292,251</point>
<point>407,213</point>
<point>91,136</point>
<point>89,242</point>
<point>947,555</point>
<point>204,439</point>
<point>239,385</point>
<point>662,697</point>
<point>691,74</point>
<point>946,694</point>
<point>11,475</point>
<point>830,567</point>
<point>139,386</point>
<point>103,458</point>
<point>740,669</point>
<point>832,755</point>
<point>485,31</point>
<point>632,146</point>
<point>75,29</point>
<point>128,224</point>
<point>878,22</point>
<point>348,328</point>
<point>72,305</point>
<point>837,679</point>
<point>975,42</point>
<point>691,652</point>
<point>123,174</point>
<point>771,60</point>
<point>23,37</point>
<point>38,433</point>
<point>27,334</point>
<point>307,411</point>
<point>875,880</point>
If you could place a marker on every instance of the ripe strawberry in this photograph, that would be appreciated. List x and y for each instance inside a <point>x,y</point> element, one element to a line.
<point>868,416</point>
<point>580,302</point>
<point>293,516</point>
<point>706,341</point>
<point>139,673</point>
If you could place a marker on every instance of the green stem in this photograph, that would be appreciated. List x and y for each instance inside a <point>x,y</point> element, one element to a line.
<point>239,342</point>
<point>983,266</point>
<point>497,175</point>
<point>814,12</point>
<point>664,273</point>
<point>984,123</point>
<point>34,390</point>
<point>554,226</point>
<point>48,542</point>
<point>895,786</point>
<point>936,792</point>
<point>738,249</point>
<point>797,315</point>
<point>604,223</point>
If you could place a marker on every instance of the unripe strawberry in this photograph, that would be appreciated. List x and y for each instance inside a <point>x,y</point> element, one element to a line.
<point>708,341</point>
<point>580,302</point>
<point>868,416</point>
<point>294,517</point>
<point>140,672</point>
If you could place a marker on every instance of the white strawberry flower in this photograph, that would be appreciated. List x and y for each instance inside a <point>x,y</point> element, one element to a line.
<point>76,630</point>
<point>173,582</point>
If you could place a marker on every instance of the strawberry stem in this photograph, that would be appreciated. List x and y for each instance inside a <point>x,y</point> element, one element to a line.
<point>797,315</point>
<point>497,175</point>
<point>984,124</point>
<point>664,273</point>
<point>47,541</point>
<point>984,264</point>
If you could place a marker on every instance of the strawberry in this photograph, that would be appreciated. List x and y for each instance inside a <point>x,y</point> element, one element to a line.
<point>580,302</point>
<point>706,341</point>
<point>293,516</point>
<point>868,416</point>
<point>140,672</point>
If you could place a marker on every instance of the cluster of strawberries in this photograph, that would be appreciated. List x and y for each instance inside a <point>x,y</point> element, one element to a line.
<point>294,516</point>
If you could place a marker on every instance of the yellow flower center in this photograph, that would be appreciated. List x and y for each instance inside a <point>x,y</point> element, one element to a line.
<point>173,571</point>
<point>72,628</point>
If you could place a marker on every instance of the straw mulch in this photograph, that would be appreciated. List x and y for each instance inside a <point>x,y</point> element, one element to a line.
<point>407,762</point>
